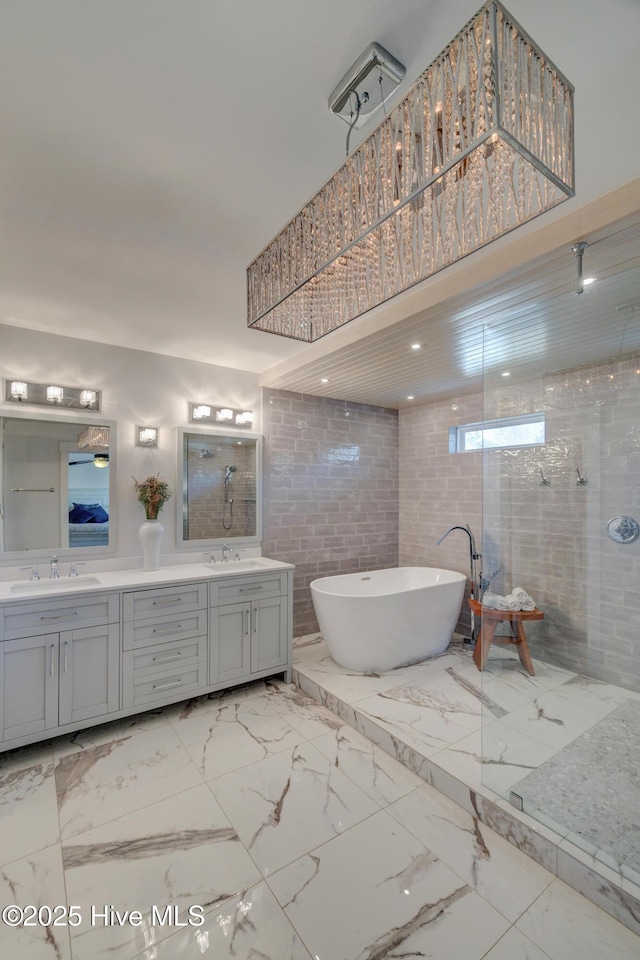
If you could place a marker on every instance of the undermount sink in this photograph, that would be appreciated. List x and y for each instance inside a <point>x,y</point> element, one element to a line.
<point>46,586</point>
<point>232,565</point>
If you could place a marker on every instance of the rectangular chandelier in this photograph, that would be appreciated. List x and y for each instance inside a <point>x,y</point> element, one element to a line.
<point>482,143</point>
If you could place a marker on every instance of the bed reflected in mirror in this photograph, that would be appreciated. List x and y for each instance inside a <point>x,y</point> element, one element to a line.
<point>56,484</point>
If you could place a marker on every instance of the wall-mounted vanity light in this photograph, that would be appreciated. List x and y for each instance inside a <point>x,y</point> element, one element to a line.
<point>203,413</point>
<point>48,394</point>
<point>146,436</point>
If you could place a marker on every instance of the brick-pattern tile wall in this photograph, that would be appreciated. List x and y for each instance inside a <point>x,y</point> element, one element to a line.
<point>209,516</point>
<point>438,489</point>
<point>552,539</point>
<point>331,490</point>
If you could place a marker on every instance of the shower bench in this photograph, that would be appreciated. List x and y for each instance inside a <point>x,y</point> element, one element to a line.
<point>490,620</point>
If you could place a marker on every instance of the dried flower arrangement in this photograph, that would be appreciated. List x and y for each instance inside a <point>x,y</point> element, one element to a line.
<point>153,493</point>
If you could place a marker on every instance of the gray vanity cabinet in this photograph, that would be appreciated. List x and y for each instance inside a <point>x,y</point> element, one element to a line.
<point>50,679</point>
<point>68,661</point>
<point>249,626</point>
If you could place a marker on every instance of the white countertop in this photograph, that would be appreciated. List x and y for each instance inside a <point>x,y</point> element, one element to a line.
<point>23,591</point>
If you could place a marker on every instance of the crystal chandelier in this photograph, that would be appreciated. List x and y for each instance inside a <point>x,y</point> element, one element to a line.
<point>482,143</point>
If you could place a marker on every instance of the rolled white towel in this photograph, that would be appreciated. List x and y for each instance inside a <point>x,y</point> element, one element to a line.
<point>519,594</point>
<point>489,600</point>
<point>513,603</point>
<point>529,605</point>
<point>501,603</point>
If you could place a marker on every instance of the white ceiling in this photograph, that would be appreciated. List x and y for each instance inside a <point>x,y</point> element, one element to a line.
<point>151,148</point>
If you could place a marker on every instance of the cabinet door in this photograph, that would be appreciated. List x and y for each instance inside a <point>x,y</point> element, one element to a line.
<point>229,645</point>
<point>89,673</point>
<point>268,633</point>
<point>28,685</point>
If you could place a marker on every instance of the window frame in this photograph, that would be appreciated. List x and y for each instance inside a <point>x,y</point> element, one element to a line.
<point>458,434</point>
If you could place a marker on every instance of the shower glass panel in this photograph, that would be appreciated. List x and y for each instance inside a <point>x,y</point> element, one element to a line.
<point>563,744</point>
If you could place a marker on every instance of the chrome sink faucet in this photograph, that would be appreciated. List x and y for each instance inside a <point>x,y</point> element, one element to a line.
<point>225,553</point>
<point>54,575</point>
<point>34,572</point>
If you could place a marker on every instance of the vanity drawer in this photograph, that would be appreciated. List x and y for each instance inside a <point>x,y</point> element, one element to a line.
<point>164,658</point>
<point>141,604</point>
<point>166,629</point>
<point>169,687</point>
<point>249,588</point>
<point>43,616</point>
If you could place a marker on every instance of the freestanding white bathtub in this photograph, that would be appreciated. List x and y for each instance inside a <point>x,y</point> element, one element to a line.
<point>388,618</point>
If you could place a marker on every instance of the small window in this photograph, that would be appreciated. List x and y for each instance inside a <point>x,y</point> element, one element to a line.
<point>507,432</point>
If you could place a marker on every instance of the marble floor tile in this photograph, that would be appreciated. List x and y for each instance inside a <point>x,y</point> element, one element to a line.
<point>602,698</point>
<point>374,771</point>
<point>508,755</point>
<point>495,869</point>
<point>29,756</point>
<point>509,670</point>
<point>34,880</point>
<point>304,714</point>
<point>286,805</point>
<point>233,734</point>
<point>553,719</point>
<point>352,686</point>
<point>563,924</point>
<point>387,896</point>
<point>114,778</point>
<point>105,732</point>
<point>28,810</point>
<point>251,926</point>
<point>181,851</point>
<point>212,701</point>
<point>427,713</point>
<point>515,946</point>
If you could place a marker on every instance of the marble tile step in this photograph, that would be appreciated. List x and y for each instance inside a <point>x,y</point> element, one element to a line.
<point>453,766</point>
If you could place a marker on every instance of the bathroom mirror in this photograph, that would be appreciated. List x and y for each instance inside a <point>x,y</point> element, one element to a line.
<point>57,485</point>
<point>220,480</point>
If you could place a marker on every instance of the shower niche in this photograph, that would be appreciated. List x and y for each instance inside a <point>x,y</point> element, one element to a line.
<point>219,478</point>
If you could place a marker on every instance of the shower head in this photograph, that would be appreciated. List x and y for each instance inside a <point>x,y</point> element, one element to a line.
<point>228,470</point>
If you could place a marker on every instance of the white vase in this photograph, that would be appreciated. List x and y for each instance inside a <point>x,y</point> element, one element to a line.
<point>151,533</point>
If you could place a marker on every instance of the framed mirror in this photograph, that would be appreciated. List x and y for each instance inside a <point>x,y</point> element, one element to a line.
<point>219,495</point>
<point>57,486</point>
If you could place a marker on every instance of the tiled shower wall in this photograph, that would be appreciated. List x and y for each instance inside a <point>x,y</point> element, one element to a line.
<point>552,538</point>
<point>331,490</point>
<point>439,490</point>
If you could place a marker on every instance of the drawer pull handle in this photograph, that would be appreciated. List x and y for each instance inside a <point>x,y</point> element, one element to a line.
<point>66,656</point>
<point>62,616</point>
<point>165,686</point>
<point>175,656</point>
<point>170,601</point>
<point>51,669</point>
<point>250,589</point>
<point>177,626</point>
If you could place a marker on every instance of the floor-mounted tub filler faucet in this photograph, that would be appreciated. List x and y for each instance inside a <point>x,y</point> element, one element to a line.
<point>474,581</point>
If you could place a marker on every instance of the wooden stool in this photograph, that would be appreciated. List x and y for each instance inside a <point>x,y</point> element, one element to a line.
<point>490,620</point>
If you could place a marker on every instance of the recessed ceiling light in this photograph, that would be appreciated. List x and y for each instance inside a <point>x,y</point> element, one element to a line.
<point>410,397</point>
<point>588,280</point>
<point>506,373</point>
<point>325,380</point>
<point>416,346</point>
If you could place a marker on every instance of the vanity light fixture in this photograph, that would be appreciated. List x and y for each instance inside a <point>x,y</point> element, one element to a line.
<point>87,398</point>
<point>47,394</point>
<point>55,394</point>
<point>19,391</point>
<point>204,413</point>
<point>146,436</point>
<point>481,143</point>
